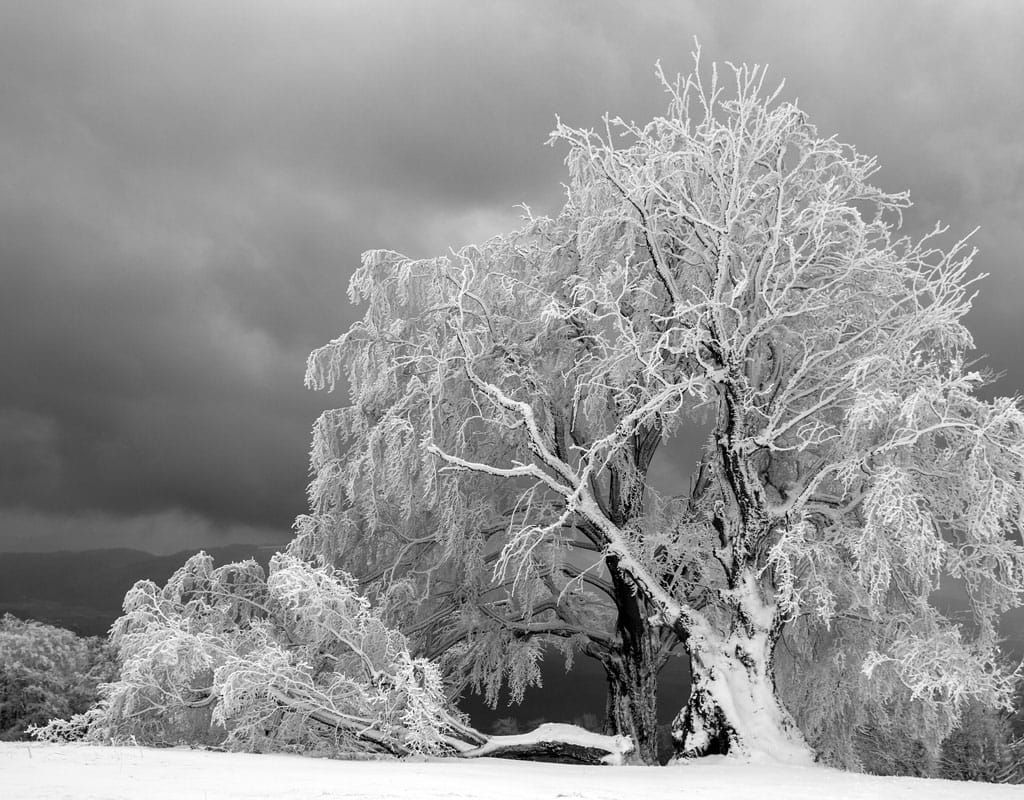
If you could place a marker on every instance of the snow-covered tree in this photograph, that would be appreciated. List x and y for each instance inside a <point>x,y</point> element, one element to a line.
<point>47,672</point>
<point>723,260</point>
<point>294,659</point>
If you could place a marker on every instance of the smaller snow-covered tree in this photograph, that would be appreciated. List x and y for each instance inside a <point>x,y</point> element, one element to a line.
<point>292,660</point>
<point>46,672</point>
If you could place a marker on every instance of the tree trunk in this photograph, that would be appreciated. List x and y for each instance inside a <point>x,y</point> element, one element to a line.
<point>734,708</point>
<point>632,671</point>
<point>631,708</point>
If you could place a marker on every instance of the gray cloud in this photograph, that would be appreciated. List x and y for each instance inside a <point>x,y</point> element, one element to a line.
<point>30,465</point>
<point>185,188</point>
<point>162,533</point>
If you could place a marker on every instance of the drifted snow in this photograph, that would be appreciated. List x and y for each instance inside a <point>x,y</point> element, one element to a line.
<point>49,772</point>
<point>745,692</point>
<point>751,705</point>
<point>617,746</point>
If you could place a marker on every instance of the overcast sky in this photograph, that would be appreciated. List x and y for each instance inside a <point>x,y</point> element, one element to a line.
<point>187,185</point>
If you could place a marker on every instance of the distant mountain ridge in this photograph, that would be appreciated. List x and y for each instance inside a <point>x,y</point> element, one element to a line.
<point>83,590</point>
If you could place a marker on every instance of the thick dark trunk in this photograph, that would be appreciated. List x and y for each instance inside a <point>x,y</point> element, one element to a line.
<point>631,708</point>
<point>632,672</point>
<point>632,667</point>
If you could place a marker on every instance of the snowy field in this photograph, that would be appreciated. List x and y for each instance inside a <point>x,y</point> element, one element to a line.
<point>81,772</point>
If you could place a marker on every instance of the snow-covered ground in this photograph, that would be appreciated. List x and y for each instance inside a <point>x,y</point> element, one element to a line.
<point>81,772</point>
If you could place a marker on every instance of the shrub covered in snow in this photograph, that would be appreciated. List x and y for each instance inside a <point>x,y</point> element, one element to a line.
<point>46,672</point>
<point>292,659</point>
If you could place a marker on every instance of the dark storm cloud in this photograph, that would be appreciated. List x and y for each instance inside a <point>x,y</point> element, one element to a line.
<point>185,188</point>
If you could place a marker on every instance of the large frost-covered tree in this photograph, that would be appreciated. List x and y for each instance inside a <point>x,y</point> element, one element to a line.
<point>724,265</point>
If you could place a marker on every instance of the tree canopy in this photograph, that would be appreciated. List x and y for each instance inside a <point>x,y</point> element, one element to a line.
<point>723,262</point>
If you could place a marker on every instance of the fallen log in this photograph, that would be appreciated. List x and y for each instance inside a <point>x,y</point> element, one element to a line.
<point>567,744</point>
